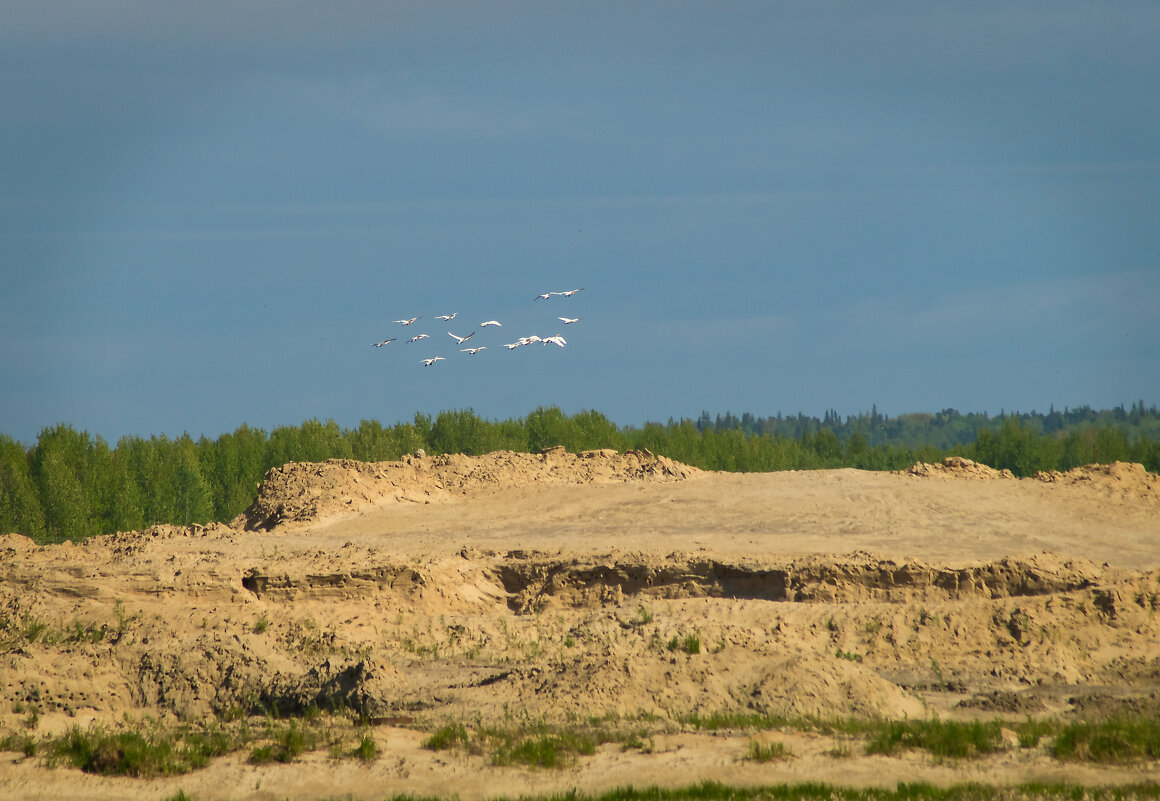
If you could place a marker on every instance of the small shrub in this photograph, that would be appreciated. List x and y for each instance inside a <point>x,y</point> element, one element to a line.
<point>261,624</point>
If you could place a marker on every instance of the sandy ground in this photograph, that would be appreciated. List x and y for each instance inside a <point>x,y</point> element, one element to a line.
<point>522,588</point>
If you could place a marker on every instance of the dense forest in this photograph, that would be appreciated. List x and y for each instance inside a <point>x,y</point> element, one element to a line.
<point>70,485</point>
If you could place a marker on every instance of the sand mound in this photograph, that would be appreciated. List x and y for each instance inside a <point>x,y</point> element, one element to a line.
<point>956,467</point>
<point>1125,480</point>
<point>302,492</point>
<point>813,687</point>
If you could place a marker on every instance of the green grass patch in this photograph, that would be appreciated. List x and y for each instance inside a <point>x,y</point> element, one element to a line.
<point>286,744</point>
<point>447,737</point>
<point>154,751</point>
<point>1030,732</point>
<point>538,744</point>
<point>1115,740</point>
<point>126,753</point>
<point>549,750</point>
<point>941,738</point>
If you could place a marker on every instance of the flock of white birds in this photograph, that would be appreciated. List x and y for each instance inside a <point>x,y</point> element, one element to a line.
<point>556,339</point>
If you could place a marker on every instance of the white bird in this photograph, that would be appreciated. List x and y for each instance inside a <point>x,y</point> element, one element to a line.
<point>384,342</point>
<point>447,316</point>
<point>460,340</point>
<point>473,351</point>
<point>491,322</point>
<point>544,296</point>
<point>418,337</point>
<point>528,340</point>
<point>513,345</point>
<point>570,292</point>
<point>556,340</point>
<point>568,320</point>
<point>406,322</point>
<point>432,360</point>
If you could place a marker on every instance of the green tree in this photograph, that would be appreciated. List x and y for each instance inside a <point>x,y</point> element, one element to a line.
<point>58,461</point>
<point>546,428</point>
<point>422,431</point>
<point>318,442</point>
<point>148,463</point>
<point>1017,448</point>
<point>461,431</point>
<point>232,466</point>
<point>66,512</point>
<point>20,509</point>
<point>592,430</point>
<point>126,507</point>
<point>193,503</point>
<point>827,446</point>
<point>370,442</point>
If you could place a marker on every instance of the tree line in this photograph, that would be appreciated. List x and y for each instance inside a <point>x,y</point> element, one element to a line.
<point>70,485</point>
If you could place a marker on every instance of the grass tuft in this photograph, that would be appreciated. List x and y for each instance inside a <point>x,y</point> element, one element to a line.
<point>366,750</point>
<point>19,743</point>
<point>447,737</point>
<point>691,644</point>
<point>767,752</point>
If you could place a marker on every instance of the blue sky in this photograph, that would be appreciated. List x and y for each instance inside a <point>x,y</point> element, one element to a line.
<point>209,211</point>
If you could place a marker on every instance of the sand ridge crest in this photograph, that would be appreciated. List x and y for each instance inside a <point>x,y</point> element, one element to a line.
<point>302,492</point>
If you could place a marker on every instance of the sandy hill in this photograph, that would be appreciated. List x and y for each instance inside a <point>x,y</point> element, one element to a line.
<point>561,586</point>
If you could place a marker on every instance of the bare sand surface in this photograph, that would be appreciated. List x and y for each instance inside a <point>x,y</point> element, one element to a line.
<point>516,589</point>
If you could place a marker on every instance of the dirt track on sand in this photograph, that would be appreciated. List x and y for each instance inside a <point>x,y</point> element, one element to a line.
<point>546,587</point>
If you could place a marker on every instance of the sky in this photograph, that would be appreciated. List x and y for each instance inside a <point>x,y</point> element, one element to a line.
<point>209,211</point>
